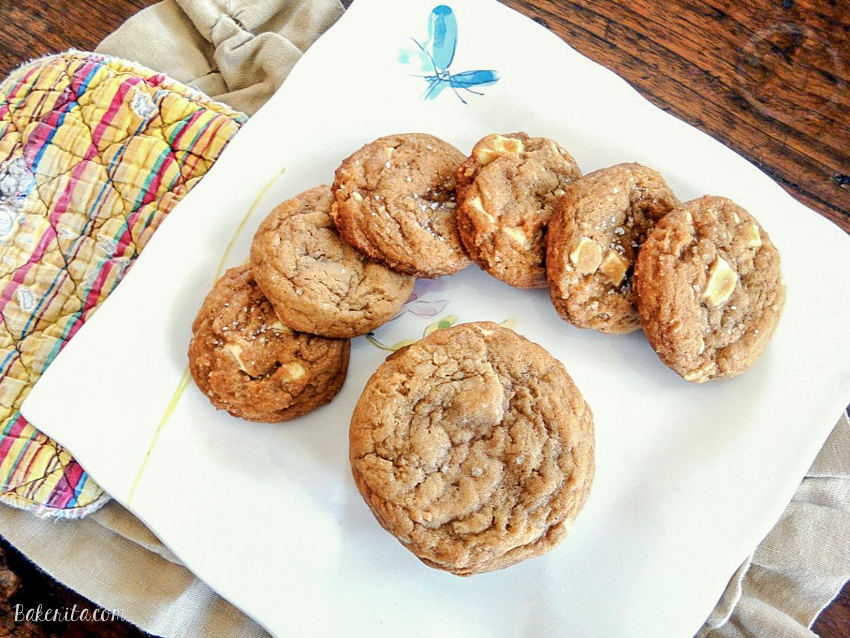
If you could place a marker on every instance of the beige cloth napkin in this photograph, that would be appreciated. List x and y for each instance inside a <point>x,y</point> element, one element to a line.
<point>236,51</point>
<point>802,563</point>
<point>239,51</point>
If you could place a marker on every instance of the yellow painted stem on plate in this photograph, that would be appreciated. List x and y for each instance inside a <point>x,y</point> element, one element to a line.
<point>175,397</point>
<point>244,221</point>
<point>186,377</point>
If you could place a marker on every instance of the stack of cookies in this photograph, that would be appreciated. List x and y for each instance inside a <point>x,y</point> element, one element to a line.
<point>473,446</point>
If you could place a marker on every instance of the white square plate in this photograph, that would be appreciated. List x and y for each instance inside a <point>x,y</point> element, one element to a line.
<point>689,478</point>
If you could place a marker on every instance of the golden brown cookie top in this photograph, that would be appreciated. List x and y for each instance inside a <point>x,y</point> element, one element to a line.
<point>593,241</point>
<point>316,282</point>
<point>395,202</point>
<point>507,190</point>
<point>709,289</point>
<point>253,366</point>
<point>473,447</point>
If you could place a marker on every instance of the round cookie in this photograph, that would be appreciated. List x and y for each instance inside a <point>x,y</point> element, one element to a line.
<point>247,362</point>
<point>316,282</point>
<point>594,239</point>
<point>709,289</point>
<point>506,191</point>
<point>474,448</point>
<point>395,202</point>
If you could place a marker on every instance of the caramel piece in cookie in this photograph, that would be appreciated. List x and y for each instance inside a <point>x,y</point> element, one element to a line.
<point>247,362</point>
<point>594,239</point>
<point>709,289</point>
<point>506,192</point>
<point>316,282</point>
<point>474,448</point>
<point>395,202</point>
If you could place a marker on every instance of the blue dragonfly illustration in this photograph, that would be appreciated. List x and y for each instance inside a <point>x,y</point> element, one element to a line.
<point>434,57</point>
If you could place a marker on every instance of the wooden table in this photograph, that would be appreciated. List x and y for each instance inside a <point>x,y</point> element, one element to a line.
<point>769,79</point>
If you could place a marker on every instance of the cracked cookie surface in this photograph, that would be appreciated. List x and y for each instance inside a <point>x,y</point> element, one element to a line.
<point>253,366</point>
<point>395,202</point>
<point>594,239</point>
<point>474,448</point>
<point>507,190</point>
<point>709,289</point>
<point>315,281</point>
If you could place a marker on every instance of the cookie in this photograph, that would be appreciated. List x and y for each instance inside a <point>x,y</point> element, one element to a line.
<point>506,191</point>
<point>474,448</point>
<point>250,364</point>
<point>594,239</point>
<point>316,282</point>
<point>709,289</point>
<point>395,202</point>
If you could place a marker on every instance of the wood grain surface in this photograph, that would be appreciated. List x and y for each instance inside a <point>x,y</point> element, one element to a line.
<point>768,78</point>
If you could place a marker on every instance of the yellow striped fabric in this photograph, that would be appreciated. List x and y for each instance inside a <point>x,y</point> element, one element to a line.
<point>94,153</point>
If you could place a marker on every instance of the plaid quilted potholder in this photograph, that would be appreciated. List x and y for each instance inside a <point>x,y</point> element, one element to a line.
<point>94,153</point>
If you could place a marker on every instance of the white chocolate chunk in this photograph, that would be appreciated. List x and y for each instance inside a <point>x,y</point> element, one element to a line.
<point>753,236</point>
<point>476,204</point>
<point>279,326</point>
<point>586,256</point>
<point>518,235</point>
<point>694,375</point>
<point>235,351</point>
<point>494,146</point>
<point>614,267</point>
<point>292,371</point>
<point>721,283</point>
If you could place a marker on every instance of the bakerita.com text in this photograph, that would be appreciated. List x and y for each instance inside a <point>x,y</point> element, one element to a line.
<point>64,614</point>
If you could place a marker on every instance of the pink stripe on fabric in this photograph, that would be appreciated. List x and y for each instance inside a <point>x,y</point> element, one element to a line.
<point>153,187</point>
<point>23,81</point>
<point>33,448</point>
<point>61,204</point>
<point>194,154</point>
<point>33,485</point>
<point>97,285</point>
<point>63,492</point>
<point>80,80</point>
<point>114,107</point>
<point>188,125</point>
<point>37,138</point>
<point>9,438</point>
<point>21,273</point>
<point>14,92</point>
